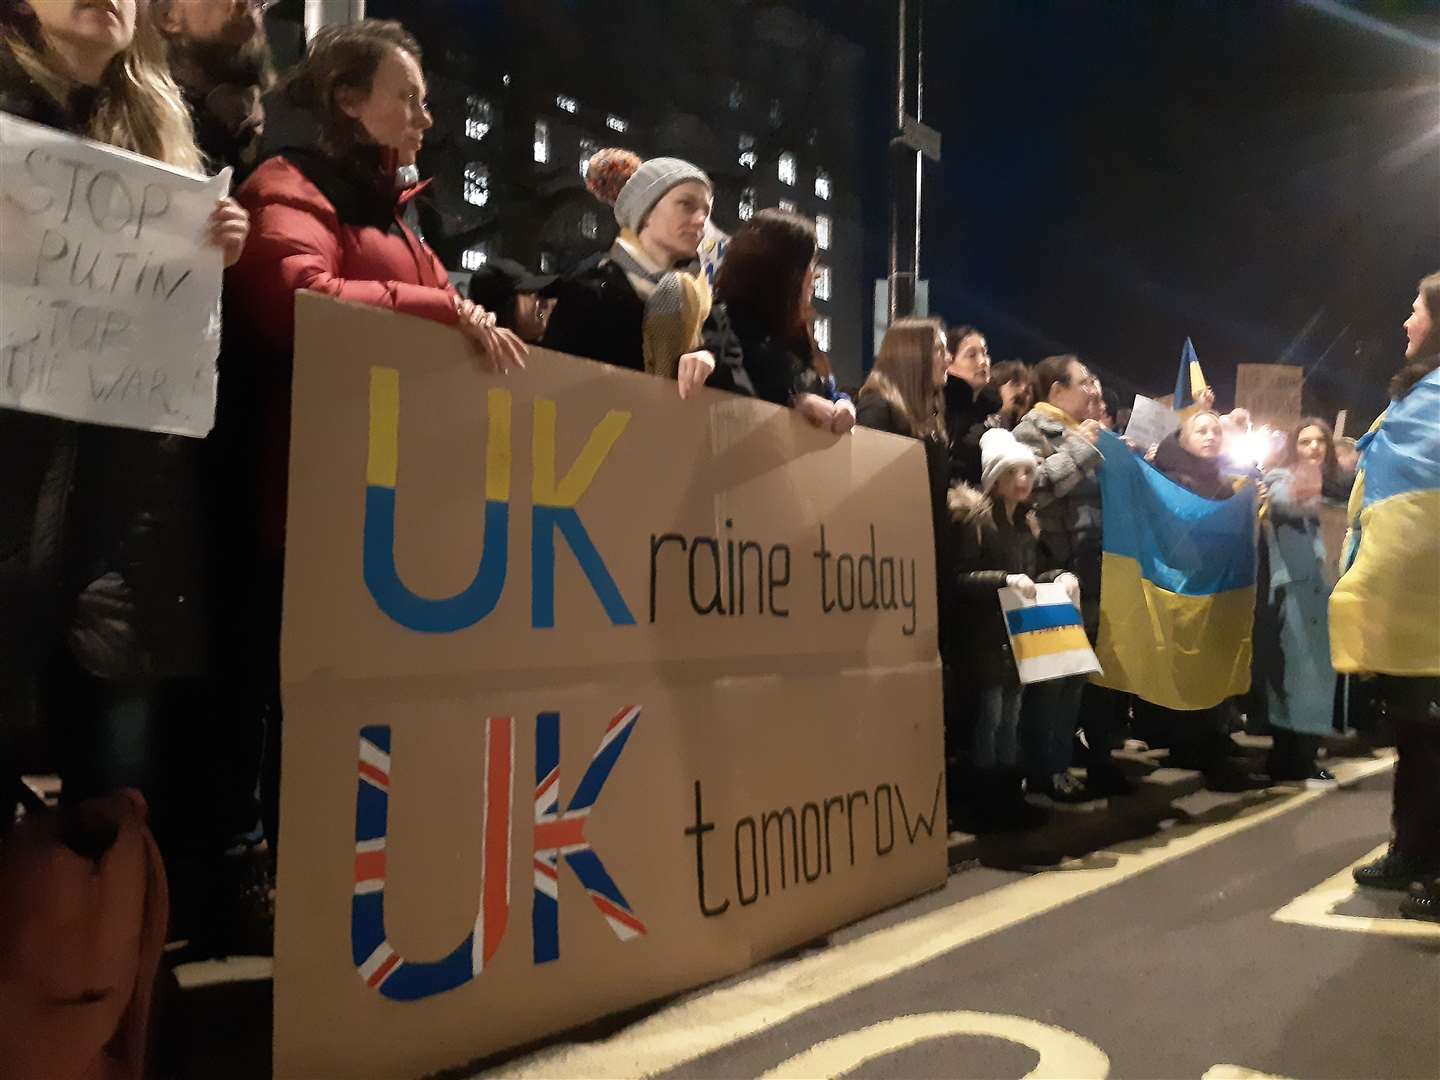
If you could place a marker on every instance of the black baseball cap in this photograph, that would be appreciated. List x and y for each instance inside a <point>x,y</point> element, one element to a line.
<point>501,280</point>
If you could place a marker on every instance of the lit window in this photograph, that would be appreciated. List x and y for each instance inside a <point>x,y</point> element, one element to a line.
<point>822,283</point>
<point>588,149</point>
<point>776,116</point>
<point>747,151</point>
<point>475,257</point>
<point>566,103</point>
<point>822,231</point>
<point>477,184</point>
<point>787,206</point>
<point>822,333</point>
<point>547,262</point>
<point>505,78</point>
<point>479,117</point>
<point>590,225</point>
<point>747,204</point>
<point>614,123</point>
<point>822,184</point>
<point>542,142</point>
<point>787,169</point>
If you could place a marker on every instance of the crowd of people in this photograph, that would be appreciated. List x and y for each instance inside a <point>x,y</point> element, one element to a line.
<point>137,664</point>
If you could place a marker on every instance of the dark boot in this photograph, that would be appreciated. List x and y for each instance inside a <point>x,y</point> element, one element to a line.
<point>1423,902</point>
<point>1396,871</point>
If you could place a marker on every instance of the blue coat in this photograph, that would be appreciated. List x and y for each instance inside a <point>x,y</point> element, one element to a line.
<point>1292,633</point>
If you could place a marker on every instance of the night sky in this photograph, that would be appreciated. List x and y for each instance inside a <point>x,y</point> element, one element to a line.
<point>1262,177</point>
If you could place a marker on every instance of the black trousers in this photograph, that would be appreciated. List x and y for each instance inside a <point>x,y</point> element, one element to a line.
<point>1414,706</point>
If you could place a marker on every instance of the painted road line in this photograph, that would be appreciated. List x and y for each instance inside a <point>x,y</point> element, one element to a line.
<point>1319,907</point>
<point>1064,1055</point>
<point>711,1020</point>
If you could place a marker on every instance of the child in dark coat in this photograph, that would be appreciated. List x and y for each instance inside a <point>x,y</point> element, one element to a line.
<point>994,544</point>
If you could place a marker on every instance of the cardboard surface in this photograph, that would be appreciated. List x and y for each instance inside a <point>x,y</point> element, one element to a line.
<point>1271,392</point>
<point>699,748</point>
<point>109,287</point>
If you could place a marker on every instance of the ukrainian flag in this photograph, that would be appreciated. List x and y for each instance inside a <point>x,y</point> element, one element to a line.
<point>1177,593</point>
<point>1385,610</point>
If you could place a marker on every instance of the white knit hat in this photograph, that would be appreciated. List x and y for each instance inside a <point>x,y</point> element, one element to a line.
<point>649,185</point>
<point>1000,450</point>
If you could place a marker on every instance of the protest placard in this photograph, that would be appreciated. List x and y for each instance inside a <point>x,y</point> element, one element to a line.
<point>705,629</point>
<point>1047,636</point>
<point>109,289</point>
<point>1150,421</point>
<point>1271,393</point>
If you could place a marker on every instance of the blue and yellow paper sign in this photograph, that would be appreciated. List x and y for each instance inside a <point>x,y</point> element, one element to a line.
<point>1177,596</point>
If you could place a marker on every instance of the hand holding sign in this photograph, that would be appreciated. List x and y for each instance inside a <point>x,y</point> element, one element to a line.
<point>109,282</point>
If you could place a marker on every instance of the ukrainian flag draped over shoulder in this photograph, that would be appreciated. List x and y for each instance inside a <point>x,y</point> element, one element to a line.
<point>1177,595</point>
<point>1385,610</point>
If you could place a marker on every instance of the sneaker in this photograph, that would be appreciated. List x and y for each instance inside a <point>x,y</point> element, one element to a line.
<point>1423,902</point>
<point>1395,871</point>
<point>1063,787</point>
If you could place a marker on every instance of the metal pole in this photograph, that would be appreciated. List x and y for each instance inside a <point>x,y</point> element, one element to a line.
<point>919,158</point>
<point>892,305</point>
<point>323,13</point>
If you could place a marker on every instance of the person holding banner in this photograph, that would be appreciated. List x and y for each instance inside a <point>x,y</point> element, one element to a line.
<point>767,282</point>
<point>1198,738</point>
<point>647,305</point>
<point>1068,506</point>
<point>1292,639</point>
<point>993,546</point>
<point>105,574</point>
<point>1382,612</point>
<point>329,219</point>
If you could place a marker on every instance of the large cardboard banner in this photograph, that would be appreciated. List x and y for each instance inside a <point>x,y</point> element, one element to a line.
<point>1271,392</point>
<point>591,694</point>
<point>109,290</point>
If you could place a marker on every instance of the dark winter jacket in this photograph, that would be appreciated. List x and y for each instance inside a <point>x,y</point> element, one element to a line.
<point>1067,502</point>
<point>224,95</point>
<point>986,546</point>
<point>966,415</point>
<point>599,315</point>
<point>100,547</point>
<point>334,226</point>
<point>777,373</point>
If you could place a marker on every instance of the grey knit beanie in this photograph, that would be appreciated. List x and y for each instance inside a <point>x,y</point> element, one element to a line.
<point>649,185</point>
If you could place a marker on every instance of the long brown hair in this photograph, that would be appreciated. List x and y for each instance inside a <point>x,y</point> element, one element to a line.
<point>1330,467</point>
<point>763,276</point>
<point>138,108</point>
<point>903,376</point>
<point>344,57</point>
<point>1428,358</point>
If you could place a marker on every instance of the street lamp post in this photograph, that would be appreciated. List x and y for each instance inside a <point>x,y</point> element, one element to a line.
<point>911,143</point>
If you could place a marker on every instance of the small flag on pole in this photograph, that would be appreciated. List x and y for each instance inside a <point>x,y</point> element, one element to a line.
<point>1189,380</point>
<point>1047,637</point>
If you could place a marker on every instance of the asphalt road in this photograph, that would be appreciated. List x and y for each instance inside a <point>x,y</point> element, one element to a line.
<point>1159,957</point>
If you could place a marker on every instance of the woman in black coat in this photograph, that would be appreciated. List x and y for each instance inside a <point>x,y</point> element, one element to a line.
<point>646,304</point>
<point>767,282</point>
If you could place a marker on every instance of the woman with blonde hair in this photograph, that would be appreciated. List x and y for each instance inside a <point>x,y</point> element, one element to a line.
<point>104,570</point>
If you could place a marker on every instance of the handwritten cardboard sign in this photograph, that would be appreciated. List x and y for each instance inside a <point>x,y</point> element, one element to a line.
<point>1271,392</point>
<point>592,695</point>
<point>109,290</point>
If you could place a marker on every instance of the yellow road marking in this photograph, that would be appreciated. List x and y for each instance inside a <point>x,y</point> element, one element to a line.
<point>713,1019</point>
<point>1318,908</point>
<point>1063,1054</point>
